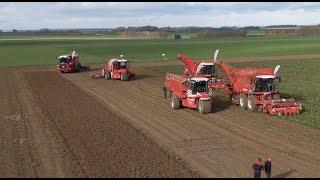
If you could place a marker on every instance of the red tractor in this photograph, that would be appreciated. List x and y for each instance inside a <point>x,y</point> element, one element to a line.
<point>188,92</point>
<point>255,89</point>
<point>115,69</point>
<point>69,63</point>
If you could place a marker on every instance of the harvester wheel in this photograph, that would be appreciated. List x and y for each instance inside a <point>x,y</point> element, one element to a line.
<point>212,104</point>
<point>204,107</point>
<point>74,68</point>
<point>175,102</point>
<point>234,99</point>
<point>243,101</point>
<point>107,75</point>
<point>166,92</point>
<point>78,67</point>
<point>276,97</point>
<point>252,106</point>
<point>124,77</point>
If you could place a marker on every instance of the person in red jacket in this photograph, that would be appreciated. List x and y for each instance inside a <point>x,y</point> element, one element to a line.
<point>257,168</point>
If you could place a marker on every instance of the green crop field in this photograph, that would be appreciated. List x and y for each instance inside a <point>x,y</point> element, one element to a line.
<point>44,52</point>
<point>299,80</point>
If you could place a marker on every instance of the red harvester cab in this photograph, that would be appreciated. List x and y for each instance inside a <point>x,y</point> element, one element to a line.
<point>115,69</point>
<point>188,92</point>
<point>68,63</point>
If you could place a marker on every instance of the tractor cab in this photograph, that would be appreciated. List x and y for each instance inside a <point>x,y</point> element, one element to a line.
<point>265,83</point>
<point>64,59</point>
<point>121,64</point>
<point>197,85</point>
<point>70,58</point>
<point>203,70</point>
<point>64,63</point>
<point>69,63</point>
<point>206,69</point>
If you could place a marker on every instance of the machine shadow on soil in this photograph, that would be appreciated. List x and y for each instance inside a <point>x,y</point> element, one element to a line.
<point>142,76</point>
<point>89,70</point>
<point>285,174</point>
<point>220,103</point>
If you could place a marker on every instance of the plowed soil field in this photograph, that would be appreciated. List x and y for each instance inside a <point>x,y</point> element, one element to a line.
<point>68,125</point>
<point>51,128</point>
<point>220,144</point>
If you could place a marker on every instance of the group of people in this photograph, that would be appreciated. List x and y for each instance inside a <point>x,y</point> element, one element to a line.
<point>258,166</point>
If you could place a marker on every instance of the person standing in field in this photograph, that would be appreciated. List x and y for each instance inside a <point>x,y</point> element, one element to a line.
<point>257,168</point>
<point>267,167</point>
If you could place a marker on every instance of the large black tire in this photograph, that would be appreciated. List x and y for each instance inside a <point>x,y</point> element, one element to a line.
<point>204,107</point>
<point>73,69</point>
<point>107,75</point>
<point>168,93</point>
<point>124,77</point>
<point>212,104</point>
<point>78,67</point>
<point>175,102</point>
<point>252,106</point>
<point>234,99</point>
<point>276,96</point>
<point>164,92</point>
<point>243,101</point>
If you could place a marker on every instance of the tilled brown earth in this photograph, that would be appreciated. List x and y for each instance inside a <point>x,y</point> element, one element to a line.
<point>51,128</point>
<point>42,138</point>
<point>220,144</point>
<point>15,156</point>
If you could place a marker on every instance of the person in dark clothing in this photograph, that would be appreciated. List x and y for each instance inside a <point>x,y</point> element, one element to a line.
<point>267,167</point>
<point>257,167</point>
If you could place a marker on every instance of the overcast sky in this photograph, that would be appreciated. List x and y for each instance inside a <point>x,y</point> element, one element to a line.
<point>36,15</point>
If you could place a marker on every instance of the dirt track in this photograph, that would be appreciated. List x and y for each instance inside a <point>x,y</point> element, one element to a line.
<point>47,131</point>
<point>222,144</point>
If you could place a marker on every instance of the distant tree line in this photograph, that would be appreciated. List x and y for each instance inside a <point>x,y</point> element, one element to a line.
<point>165,32</point>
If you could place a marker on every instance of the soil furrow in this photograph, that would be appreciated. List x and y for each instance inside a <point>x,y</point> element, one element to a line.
<point>248,135</point>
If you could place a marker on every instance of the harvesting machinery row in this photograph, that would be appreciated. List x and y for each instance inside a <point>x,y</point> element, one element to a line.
<point>253,89</point>
<point>114,69</point>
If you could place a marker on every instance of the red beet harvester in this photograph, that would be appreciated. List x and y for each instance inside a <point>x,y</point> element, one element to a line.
<point>115,69</point>
<point>255,89</point>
